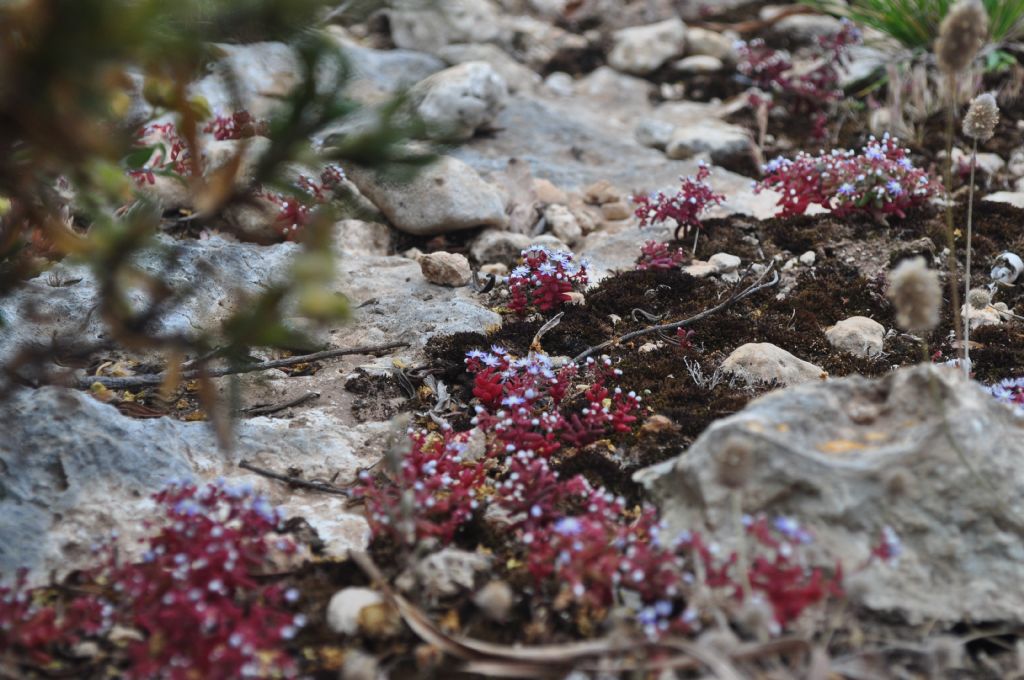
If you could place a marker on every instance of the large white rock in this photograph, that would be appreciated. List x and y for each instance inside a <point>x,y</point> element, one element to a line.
<point>445,196</point>
<point>518,76</point>
<point>701,41</point>
<point>726,144</point>
<point>847,458</point>
<point>455,102</point>
<point>346,604</point>
<point>261,75</point>
<point>76,470</point>
<point>857,335</point>
<point>1014,198</point>
<point>494,245</point>
<point>643,49</point>
<point>445,269</point>
<point>563,224</point>
<point>443,22</point>
<point>764,362</point>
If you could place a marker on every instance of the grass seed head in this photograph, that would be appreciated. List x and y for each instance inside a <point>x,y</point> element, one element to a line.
<point>917,295</point>
<point>962,34</point>
<point>979,298</point>
<point>982,116</point>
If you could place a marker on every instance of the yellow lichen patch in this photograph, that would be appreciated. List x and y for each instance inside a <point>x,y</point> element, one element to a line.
<point>876,436</point>
<point>841,446</point>
<point>782,427</point>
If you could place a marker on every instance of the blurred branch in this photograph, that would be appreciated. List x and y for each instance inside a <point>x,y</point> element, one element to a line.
<point>136,381</point>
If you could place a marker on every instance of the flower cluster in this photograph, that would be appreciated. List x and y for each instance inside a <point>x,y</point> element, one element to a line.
<point>1010,391</point>
<point>582,545</point>
<point>881,180</point>
<point>544,279</point>
<point>437,490</point>
<point>32,629</point>
<point>169,153</point>
<point>812,92</point>
<point>684,207</point>
<point>527,414</point>
<point>658,255</point>
<point>293,211</point>
<point>237,125</point>
<point>193,606</point>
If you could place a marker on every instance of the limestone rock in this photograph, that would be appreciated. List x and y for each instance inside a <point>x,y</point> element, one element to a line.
<point>654,133</point>
<point>805,29</point>
<point>563,224</point>
<point>700,269</point>
<point>345,606</point>
<point>261,74</point>
<point>450,571</point>
<point>494,245</point>
<point>1014,198</point>
<point>39,311</point>
<point>764,362</point>
<point>643,49</point>
<point>616,210</point>
<point>560,83</point>
<point>446,269</point>
<point>725,263</point>
<point>538,43</point>
<point>77,469</point>
<point>384,71</point>
<point>847,458</point>
<point>728,145</point>
<point>457,101</point>
<point>986,316</point>
<point>547,193</point>
<point>355,237</point>
<point>445,196</point>
<point>857,335</point>
<point>608,85</point>
<point>701,41</point>
<point>698,64</point>
<point>518,77</point>
<point>442,23</point>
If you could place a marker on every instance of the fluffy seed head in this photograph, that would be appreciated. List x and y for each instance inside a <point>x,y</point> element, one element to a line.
<point>982,116</point>
<point>962,34</point>
<point>979,298</point>
<point>495,600</point>
<point>916,293</point>
<point>734,463</point>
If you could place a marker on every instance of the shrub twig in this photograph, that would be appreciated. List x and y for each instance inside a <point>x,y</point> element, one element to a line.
<point>145,380</point>
<point>757,286</point>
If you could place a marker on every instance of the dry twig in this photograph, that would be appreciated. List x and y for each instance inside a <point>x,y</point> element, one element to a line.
<point>146,380</point>
<point>734,298</point>
<point>543,661</point>
<point>323,487</point>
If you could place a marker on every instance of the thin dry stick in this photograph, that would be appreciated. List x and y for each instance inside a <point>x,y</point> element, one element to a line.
<point>267,409</point>
<point>555,660</point>
<point>950,237</point>
<point>753,288</point>
<point>323,487</point>
<point>148,379</point>
<point>967,263</point>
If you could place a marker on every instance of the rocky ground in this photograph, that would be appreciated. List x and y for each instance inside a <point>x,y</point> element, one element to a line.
<point>560,113</point>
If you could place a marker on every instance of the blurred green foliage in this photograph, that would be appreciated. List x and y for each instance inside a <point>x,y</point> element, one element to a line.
<point>915,23</point>
<point>71,74</point>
